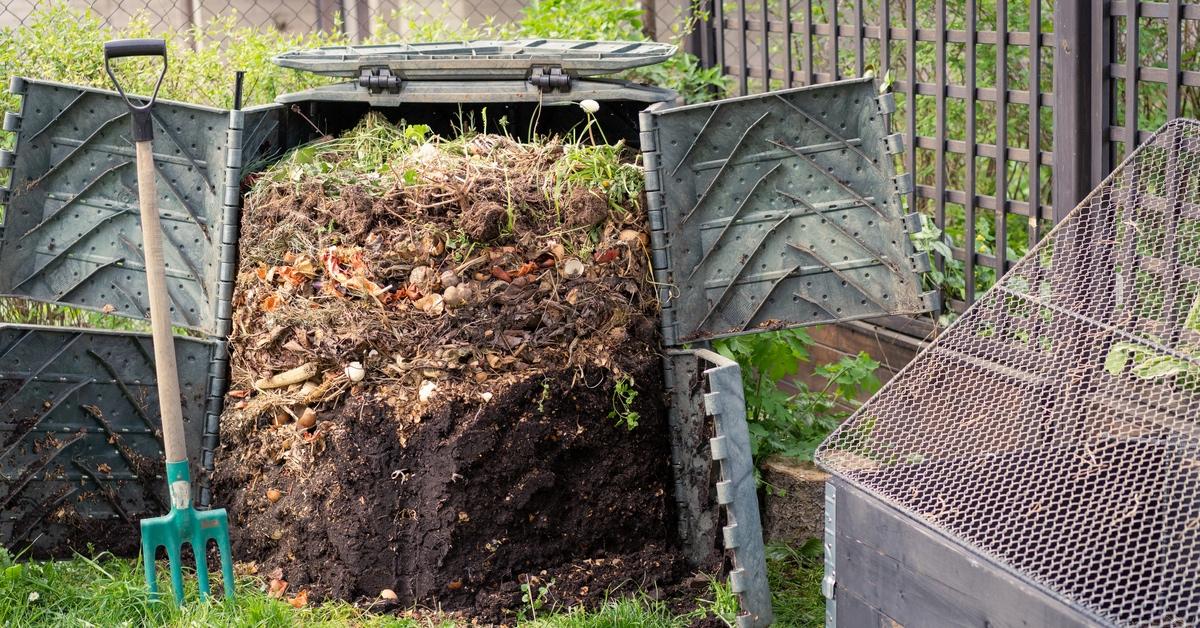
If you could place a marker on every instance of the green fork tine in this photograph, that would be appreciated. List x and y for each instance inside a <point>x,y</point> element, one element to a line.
<point>193,527</point>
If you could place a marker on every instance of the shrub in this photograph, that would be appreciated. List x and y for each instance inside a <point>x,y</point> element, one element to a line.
<point>64,44</point>
<point>785,416</point>
<point>622,20</point>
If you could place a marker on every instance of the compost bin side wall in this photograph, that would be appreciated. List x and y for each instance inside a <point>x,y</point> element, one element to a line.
<point>892,570</point>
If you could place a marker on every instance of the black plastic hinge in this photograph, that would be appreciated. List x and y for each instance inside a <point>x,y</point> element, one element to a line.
<point>378,80</point>
<point>549,78</point>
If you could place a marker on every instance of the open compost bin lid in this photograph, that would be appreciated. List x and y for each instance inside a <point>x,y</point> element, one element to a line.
<point>542,71</point>
<point>479,60</point>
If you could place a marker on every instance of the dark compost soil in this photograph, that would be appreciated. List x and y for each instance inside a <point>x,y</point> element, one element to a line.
<point>482,496</point>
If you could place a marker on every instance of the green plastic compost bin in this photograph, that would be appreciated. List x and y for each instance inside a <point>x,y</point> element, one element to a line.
<point>766,212</point>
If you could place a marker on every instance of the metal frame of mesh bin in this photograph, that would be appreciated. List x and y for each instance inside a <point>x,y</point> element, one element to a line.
<point>1055,427</point>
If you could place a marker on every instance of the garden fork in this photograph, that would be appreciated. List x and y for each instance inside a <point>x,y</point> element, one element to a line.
<point>183,524</point>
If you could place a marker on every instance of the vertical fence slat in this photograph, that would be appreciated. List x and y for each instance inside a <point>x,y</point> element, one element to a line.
<point>1131,71</point>
<point>885,28</point>
<point>650,18</point>
<point>1035,96</point>
<point>789,58</point>
<point>910,74</point>
<point>1077,85</point>
<point>969,206</point>
<point>1173,24</point>
<point>719,24</point>
<point>1102,95</point>
<point>1001,231</point>
<point>832,17</point>
<point>766,45</point>
<point>939,205</point>
<point>743,53</point>
<point>858,38</point>
<point>808,44</point>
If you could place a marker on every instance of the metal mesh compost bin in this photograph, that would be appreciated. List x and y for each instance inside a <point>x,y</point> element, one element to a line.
<point>1052,434</point>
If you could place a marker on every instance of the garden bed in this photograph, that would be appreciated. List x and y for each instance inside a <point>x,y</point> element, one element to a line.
<point>445,374</point>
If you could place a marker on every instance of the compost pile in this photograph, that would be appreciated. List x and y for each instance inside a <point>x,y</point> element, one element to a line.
<point>445,377</point>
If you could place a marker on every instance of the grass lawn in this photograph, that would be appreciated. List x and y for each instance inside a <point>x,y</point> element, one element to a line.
<point>107,591</point>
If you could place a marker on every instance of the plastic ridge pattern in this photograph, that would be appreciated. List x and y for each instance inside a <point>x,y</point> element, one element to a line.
<point>779,210</point>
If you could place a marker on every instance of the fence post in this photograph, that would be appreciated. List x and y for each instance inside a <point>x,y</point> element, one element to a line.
<point>702,41</point>
<point>650,19</point>
<point>1073,124</point>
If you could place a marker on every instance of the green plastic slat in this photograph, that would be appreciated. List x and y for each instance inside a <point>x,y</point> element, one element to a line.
<point>80,436</point>
<point>71,230</point>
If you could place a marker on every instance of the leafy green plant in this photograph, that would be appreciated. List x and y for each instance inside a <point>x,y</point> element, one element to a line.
<point>582,19</point>
<point>624,396</point>
<point>785,416</point>
<point>684,74</point>
<point>950,279</point>
<point>599,165</point>
<point>1147,363</point>
<point>722,603</point>
<point>534,599</point>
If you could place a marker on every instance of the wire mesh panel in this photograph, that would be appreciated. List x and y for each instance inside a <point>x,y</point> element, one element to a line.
<point>1056,426</point>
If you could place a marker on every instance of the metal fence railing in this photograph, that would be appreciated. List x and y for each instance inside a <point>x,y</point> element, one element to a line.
<point>1012,111</point>
<point>358,18</point>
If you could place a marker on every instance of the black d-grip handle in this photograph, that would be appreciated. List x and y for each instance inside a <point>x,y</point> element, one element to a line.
<point>143,127</point>
<point>135,48</point>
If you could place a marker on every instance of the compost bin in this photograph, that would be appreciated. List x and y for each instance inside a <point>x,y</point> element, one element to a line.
<point>760,212</point>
